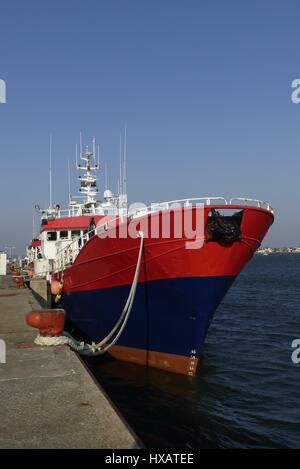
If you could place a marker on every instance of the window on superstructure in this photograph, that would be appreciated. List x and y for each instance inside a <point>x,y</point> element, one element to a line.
<point>75,233</point>
<point>64,234</point>
<point>51,236</point>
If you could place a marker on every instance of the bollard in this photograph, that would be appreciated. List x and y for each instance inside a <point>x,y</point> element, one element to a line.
<point>50,322</point>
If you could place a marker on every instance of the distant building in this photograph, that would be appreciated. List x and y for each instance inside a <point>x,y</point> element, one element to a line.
<point>3,263</point>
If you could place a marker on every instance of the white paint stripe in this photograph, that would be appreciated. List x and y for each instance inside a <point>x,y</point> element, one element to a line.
<point>73,372</point>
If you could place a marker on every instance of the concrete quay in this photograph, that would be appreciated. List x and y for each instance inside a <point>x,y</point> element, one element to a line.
<point>48,398</point>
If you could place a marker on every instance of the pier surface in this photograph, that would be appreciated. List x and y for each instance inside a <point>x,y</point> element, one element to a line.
<point>48,398</point>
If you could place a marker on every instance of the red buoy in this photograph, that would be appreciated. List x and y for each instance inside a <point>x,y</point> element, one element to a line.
<point>50,322</point>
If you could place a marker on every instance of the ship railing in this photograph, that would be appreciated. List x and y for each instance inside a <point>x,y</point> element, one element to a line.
<point>252,203</point>
<point>65,256</point>
<point>75,210</point>
<point>157,207</point>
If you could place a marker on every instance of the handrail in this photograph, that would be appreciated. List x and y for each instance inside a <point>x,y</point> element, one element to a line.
<point>258,203</point>
<point>66,253</point>
<point>204,200</point>
<point>185,202</point>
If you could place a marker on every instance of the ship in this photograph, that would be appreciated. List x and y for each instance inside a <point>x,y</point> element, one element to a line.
<point>137,283</point>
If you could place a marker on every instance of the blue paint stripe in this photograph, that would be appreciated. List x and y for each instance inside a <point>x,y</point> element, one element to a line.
<point>170,315</point>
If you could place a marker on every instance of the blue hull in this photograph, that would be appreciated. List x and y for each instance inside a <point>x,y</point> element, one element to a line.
<point>170,316</point>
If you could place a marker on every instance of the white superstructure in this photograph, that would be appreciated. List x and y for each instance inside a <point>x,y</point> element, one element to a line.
<point>63,229</point>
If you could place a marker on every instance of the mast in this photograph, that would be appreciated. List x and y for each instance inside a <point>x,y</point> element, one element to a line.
<point>88,160</point>
<point>105,174</point>
<point>33,225</point>
<point>50,172</point>
<point>76,155</point>
<point>80,138</point>
<point>69,178</point>
<point>120,175</point>
<point>88,181</point>
<point>124,160</point>
<point>122,181</point>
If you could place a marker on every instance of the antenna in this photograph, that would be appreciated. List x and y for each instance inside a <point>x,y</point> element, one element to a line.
<point>50,170</point>
<point>69,177</point>
<point>80,138</point>
<point>105,172</point>
<point>33,225</point>
<point>76,154</point>
<point>98,161</point>
<point>94,147</point>
<point>120,177</point>
<point>124,160</point>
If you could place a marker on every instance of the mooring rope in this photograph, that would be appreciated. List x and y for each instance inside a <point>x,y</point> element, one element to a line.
<point>97,349</point>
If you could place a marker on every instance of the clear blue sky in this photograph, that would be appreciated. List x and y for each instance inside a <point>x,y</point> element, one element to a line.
<point>204,87</point>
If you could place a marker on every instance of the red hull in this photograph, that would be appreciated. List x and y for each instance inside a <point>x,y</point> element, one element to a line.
<point>179,289</point>
<point>109,262</point>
